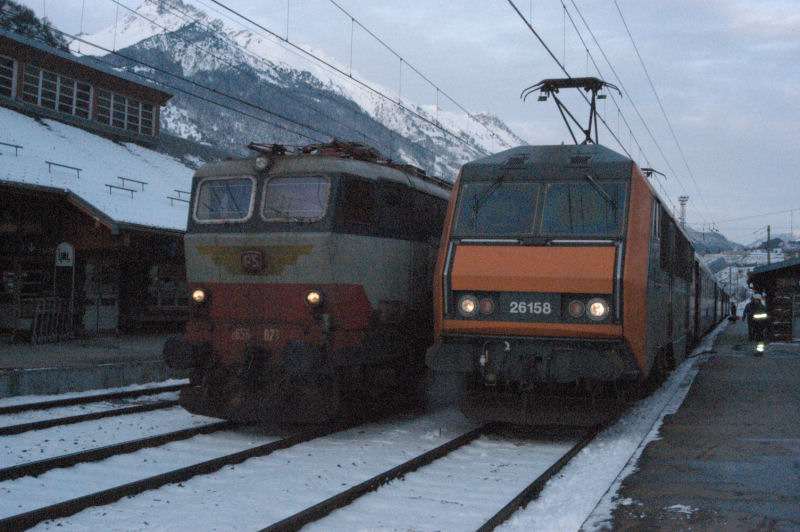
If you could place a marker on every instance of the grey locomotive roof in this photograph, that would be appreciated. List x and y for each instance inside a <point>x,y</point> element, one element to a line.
<point>319,163</point>
<point>547,162</point>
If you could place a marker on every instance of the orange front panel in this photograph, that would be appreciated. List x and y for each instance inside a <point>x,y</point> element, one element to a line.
<point>576,270</point>
<point>561,330</point>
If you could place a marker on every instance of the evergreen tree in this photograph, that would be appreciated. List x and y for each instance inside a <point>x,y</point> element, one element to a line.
<point>22,20</point>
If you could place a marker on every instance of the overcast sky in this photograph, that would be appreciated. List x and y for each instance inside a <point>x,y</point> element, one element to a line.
<point>726,73</point>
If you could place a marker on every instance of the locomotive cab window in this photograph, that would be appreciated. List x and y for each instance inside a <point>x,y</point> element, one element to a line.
<point>358,202</point>
<point>295,199</point>
<point>496,208</point>
<point>225,199</point>
<point>589,207</point>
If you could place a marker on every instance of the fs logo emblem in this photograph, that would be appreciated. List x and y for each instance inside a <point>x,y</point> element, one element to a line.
<point>253,261</point>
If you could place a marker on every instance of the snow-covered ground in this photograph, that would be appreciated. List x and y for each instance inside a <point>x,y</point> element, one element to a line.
<point>442,496</point>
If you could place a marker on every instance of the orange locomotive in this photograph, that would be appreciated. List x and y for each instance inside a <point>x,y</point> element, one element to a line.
<point>560,272</point>
<point>310,275</point>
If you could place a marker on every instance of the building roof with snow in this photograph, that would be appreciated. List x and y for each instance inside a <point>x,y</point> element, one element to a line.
<point>119,184</point>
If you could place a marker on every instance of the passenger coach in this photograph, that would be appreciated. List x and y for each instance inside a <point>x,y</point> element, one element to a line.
<point>560,271</point>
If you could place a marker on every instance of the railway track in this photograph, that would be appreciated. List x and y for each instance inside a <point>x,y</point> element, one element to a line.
<point>83,400</point>
<point>86,399</point>
<point>502,504</point>
<point>39,467</point>
<point>346,497</point>
<point>69,420</point>
<point>72,506</point>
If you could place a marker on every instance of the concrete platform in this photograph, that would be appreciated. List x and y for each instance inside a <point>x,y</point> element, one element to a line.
<point>729,458</point>
<point>82,364</point>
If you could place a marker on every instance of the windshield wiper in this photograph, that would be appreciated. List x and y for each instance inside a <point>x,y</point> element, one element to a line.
<point>479,201</point>
<point>600,191</point>
<point>229,192</point>
<point>284,214</point>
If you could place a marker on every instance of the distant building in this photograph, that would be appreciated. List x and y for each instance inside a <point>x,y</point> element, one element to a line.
<point>717,265</point>
<point>781,283</point>
<point>792,250</point>
<point>91,228</point>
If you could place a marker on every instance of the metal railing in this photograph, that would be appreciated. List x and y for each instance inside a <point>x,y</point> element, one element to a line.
<point>51,320</point>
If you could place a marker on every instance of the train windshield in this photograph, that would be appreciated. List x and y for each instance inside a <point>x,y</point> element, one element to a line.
<point>295,199</point>
<point>227,199</point>
<point>588,207</point>
<point>496,208</point>
<point>585,208</point>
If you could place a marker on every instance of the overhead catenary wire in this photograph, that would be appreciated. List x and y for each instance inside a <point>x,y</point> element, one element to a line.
<point>191,82</point>
<point>188,18</point>
<point>619,110</point>
<point>416,71</point>
<point>372,89</point>
<point>752,216</point>
<point>661,106</point>
<point>463,139</point>
<point>304,53</point>
<point>630,98</point>
<point>563,69</point>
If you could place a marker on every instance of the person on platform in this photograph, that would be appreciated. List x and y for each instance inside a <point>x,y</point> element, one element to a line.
<point>733,311</point>
<point>754,326</point>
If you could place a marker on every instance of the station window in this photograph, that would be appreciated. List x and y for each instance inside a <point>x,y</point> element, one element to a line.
<point>8,68</point>
<point>125,113</point>
<point>54,91</point>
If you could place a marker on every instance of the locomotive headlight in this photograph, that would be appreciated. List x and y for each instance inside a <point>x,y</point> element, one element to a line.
<point>314,298</point>
<point>468,306</point>
<point>598,309</point>
<point>199,296</point>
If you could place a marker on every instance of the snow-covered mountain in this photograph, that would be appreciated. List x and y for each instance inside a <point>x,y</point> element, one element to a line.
<point>710,241</point>
<point>775,242</point>
<point>273,86</point>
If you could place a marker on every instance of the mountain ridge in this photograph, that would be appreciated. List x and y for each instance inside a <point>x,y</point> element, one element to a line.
<point>178,38</point>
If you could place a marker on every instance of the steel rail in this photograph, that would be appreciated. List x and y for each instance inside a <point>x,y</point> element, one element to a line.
<point>534,488</point>
<point>100,453</point>
<point>69,420</point>
<point>320,510</point>
<point>64,509</point>
<point>84,399</point>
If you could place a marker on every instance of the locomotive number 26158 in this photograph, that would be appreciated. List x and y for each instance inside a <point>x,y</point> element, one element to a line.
<point>530,307</point>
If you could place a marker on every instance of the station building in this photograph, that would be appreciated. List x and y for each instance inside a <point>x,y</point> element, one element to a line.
<point>781,284</point>
<point>92,207</point>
